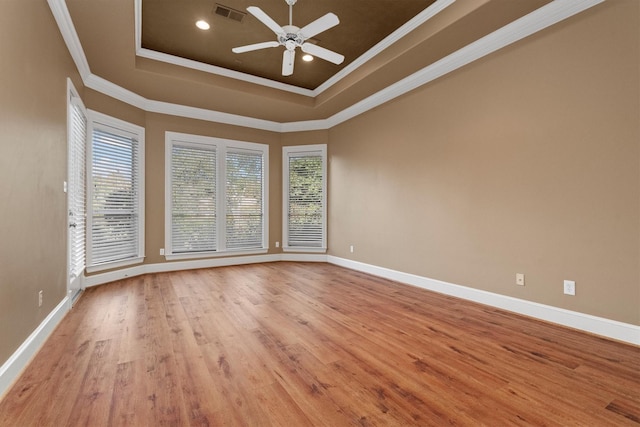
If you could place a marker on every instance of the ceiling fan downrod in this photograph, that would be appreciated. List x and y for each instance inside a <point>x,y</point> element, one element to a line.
<point>290,3</point>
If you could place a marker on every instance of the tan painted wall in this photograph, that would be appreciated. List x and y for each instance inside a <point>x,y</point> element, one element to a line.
<point>33,150</point>
<point>526,161</point>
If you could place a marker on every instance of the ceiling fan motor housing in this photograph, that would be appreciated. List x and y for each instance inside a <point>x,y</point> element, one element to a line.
<point>291,38</point>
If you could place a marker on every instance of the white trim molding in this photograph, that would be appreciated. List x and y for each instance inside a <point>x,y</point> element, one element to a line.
<point>111,276</point>
<point>550,14</point>
<point>13,367</point>
<point>70,36</point>
<point>101,279</point>
<point>585,322</point>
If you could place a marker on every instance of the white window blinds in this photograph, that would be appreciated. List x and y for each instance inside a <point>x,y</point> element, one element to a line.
<point>244,200</point>
<point>116,211</point>
<point>215,196</point>
<point>305,196</point>
<point>193,193</point>
<point>76,194</point>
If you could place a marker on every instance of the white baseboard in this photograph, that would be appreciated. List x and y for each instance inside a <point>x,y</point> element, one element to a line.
<point>138,270</point>
<point>99,279</point>
<point>597,325</point>
<point>303,257</point>
<point>13,367</point>
<point>572,319</point>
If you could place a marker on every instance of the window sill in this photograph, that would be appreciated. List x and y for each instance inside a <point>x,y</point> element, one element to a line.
<point>305,250</point>
<point>114,264</point>
<point>195,255</point>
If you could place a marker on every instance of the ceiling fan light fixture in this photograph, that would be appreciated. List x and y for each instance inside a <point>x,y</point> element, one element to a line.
<point>202,24</point>
<point>307,58</point>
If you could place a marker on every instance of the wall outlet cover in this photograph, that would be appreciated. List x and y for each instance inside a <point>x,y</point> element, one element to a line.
<point>569,287</point>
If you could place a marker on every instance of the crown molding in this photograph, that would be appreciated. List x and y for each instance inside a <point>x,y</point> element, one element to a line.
<point>212,116</point>
<point>550,14</point>
<point>70,36</point>
<point>118,92</point>
<point>405,29</point>
<point>212,69</point>
<point>114,91</point>
<point>532,23</point>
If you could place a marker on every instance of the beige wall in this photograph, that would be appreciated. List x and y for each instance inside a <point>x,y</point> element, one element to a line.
<point>524,162</point>
<point>33,70</point>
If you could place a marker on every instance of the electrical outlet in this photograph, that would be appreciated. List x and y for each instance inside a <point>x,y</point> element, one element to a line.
<point>161,251</point>
<point>351,248</point>
<point>569,287</point>
<point>40,299</point>
<point>277,244</point>
<point>520,279</point>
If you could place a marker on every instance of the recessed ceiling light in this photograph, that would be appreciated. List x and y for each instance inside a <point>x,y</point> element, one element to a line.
<point>307,58</point>
<point>203,25</point>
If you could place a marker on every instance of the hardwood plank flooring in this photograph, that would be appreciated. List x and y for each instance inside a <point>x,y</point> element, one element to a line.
<point>306,344</point>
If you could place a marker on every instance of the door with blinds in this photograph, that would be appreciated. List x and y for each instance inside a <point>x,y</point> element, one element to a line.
<point>76,201</point>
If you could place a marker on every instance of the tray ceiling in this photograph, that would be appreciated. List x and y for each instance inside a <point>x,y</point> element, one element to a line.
<point>196,74</point>
<point>168,27</point>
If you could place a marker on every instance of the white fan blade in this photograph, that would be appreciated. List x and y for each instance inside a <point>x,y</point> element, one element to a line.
<point>320,52</point>
<point>287,62</point>
<point>256,46</point>
<point>266,19</point>
<point>319,25</point>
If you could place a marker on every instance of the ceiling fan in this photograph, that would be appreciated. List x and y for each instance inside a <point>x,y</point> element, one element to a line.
<point>291,37</point>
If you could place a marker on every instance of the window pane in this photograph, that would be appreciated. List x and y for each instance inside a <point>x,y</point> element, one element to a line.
<point>114,227</point>
<point>244,197</point>
<point>305,210</point>
<point>193,199</point>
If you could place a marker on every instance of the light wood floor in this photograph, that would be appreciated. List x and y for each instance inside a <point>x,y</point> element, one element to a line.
<point>287,344</point>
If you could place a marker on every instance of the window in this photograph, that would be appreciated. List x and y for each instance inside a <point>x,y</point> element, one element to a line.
<point>115,233</point>
<point>193,203</point>
<point>244,194</point>
<point>215,196</point>
<point>304,198</point>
